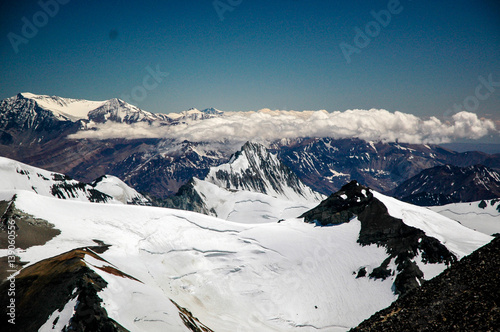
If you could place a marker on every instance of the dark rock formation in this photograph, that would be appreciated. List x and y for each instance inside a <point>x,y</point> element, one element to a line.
<point>28,230</point>
<point>341,206</point>
<point>191,322</point>
<point>402,242</point>
<point>187,198</point>
<point>465,297</point>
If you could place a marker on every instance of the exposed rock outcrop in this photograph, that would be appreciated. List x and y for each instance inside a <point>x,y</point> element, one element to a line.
<point>465,297</point>
<point>403,243</point>
<point>49,285</point>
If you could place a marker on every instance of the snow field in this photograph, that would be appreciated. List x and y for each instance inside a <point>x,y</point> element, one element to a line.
<point>233,277</point>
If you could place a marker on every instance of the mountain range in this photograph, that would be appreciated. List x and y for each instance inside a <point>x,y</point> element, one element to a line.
<point>446,184</point>
<point>105,189</point>
<point>173,233</point>
<point>62,134</point>
<point>123,267</point>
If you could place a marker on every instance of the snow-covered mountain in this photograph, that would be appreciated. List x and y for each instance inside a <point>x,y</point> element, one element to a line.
<point>40,131</point>
<point>255,169</point>
<point>449,184</point>
<point>106,189</point>
<point>63,109</point>
<point>30,109</point>
<point>463,298</point>
<point>195,114</point>
<point>117,110</point>
<point>240,206</point>
<point>116,188</point>
<point>253,187</point>
<point>483,216</point>
<point>19,176</point>
<point>286,276</point>
<point>232,277</point>
<point>406,231</point>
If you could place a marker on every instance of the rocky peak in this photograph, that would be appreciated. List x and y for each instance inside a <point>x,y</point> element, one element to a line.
<point>341,206</point>
<point>117,110</point>
<point>254,168</point>
<point>403,243</point>
<point>213,111</point>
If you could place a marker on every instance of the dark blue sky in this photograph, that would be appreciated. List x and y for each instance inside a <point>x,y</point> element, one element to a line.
<point>263,54</point>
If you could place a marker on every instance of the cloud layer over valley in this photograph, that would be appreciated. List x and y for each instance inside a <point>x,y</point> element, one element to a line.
<point>267,125</point>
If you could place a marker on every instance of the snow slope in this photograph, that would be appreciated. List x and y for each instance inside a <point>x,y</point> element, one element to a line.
<point>16,175</point>
<point>288,276</point>
<point>247,207</point>
<point>485,220</point>
<point>455,236</point>
<point>64,108</point>
<point>119,190</point>
<point>106,189</point>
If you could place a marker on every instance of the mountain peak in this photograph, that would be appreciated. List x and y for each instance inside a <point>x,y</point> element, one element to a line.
<point>404,243</point>
<point>212,111</point>
<point>254,168</point>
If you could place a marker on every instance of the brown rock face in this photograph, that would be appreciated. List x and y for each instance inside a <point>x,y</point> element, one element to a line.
<point>48,285</point>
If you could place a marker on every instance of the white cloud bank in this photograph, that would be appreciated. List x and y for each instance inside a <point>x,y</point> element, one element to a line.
<point>266,125</point>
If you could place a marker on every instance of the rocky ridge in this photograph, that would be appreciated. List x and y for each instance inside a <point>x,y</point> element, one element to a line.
<point>403,243</point>
<point>442,185</point>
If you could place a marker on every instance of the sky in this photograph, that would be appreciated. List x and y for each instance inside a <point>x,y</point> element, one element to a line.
<point>423,58</point>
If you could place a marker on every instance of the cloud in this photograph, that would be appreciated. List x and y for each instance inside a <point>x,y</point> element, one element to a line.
<point>267,125</point>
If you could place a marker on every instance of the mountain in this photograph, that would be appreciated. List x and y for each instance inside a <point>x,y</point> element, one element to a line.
<point>40,131</point>
<point>253,187</point>
<point>254,168</point>
<point>224,275</point>
<point>449,184</point>
<point>27,120</point>
<point>387,223</point>
<point>116,188</point>
<point>195,114</point>
<point>29,110</point>
<point>463,298</point>
<point>34,130</point>
<point>20,176</point>
<point>325,164</point>
<point>171,164</point>
<point>117,110</point>
<point>483,216</point>
<point>239,206</point>
<point>106,189</point>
